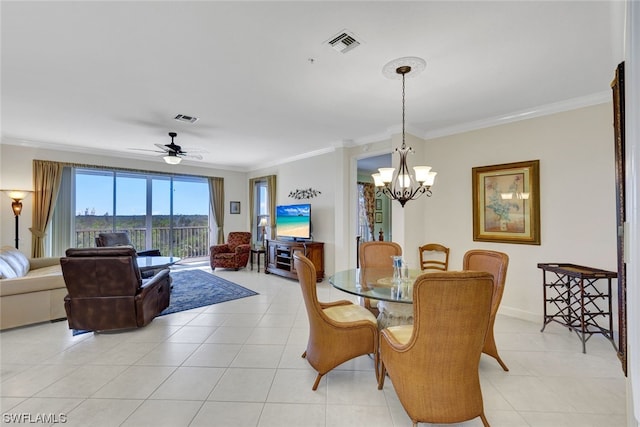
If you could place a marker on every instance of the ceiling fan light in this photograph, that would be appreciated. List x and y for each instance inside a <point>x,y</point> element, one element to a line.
<point>172,159</point>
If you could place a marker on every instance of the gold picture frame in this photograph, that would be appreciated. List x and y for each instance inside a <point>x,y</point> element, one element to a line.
<point>506,203</point>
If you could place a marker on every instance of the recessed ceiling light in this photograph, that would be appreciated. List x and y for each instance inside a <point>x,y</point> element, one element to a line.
<point>185,118</point>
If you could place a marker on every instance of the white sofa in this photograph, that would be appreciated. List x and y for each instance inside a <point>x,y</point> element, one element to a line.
<point>32,290</point>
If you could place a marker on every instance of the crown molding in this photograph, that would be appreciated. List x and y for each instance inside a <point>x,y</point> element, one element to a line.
<point>544,110</point>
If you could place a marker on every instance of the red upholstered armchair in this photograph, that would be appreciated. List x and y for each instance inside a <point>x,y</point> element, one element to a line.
<point>233,254</point>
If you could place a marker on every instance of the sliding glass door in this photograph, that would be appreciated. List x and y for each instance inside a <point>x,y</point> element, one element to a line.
<point>169,213</point>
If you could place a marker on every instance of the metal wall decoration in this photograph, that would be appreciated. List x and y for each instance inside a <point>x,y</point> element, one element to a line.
<point>308,193</point>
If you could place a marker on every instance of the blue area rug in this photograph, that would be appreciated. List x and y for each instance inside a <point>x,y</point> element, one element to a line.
<point>197,288</point>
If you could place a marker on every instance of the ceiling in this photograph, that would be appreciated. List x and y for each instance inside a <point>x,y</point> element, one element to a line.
<point>109,77</point>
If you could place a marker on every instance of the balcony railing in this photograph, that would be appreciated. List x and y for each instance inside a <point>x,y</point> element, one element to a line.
<point>183,242</point>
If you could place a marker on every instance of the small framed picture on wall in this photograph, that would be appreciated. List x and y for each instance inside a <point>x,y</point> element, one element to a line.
<point>378,204</point>
<point>378,217</point>
<point>234,207</point>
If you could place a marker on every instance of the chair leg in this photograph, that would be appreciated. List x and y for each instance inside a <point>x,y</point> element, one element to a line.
<point>382,374</point>
<point>315,385</point>
<point>485,423</point>
<point>376,363</point>
<point>502,363</point>
<point>491,349</point>
<point>304,355</point>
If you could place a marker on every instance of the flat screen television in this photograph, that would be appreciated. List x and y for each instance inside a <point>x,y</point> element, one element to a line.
<point>293,221</point>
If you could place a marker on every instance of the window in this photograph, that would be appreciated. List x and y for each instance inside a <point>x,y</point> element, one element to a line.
<point>169,213</point>
<point>261,211</point>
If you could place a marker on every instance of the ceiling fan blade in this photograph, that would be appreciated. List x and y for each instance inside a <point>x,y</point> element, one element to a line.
<point>192,156</point>
<point>164,148</point>
<point>145,149</point>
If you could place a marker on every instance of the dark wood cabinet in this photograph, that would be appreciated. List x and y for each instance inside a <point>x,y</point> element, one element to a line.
<point>280,257</point>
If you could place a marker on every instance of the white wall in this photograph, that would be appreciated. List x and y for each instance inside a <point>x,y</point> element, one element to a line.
<point>16,173</point>
<point>577,192</point>
<point>320,173</point>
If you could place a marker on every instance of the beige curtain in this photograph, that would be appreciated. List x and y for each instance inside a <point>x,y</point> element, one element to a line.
<point>369,191</point>
<point>46,182</point>
<point>271,190</point>
<point>252,203</point>
<point>216,198</point>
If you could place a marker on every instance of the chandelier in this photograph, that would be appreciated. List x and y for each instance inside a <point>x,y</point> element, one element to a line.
<point>404,186</point>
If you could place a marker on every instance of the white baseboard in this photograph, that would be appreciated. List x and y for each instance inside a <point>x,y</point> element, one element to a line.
<point>520,314</point>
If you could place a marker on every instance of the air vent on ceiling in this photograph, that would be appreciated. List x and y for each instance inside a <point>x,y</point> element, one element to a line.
<point>344,42</point>
<point>184,118</point>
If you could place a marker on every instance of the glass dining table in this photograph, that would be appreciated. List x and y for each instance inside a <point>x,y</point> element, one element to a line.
<point>394,296</point>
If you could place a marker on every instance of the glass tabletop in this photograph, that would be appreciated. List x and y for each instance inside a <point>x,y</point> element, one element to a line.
<point>376,283</point>
<point>156,261</point>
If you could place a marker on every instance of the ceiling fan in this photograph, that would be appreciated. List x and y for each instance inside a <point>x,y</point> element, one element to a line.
<point>173,152</point>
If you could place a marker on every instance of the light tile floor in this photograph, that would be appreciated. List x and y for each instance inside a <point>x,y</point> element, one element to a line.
<point>238,364</point>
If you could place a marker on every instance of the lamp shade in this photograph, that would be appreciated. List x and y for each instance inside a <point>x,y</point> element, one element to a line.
<point>17,195</point>
<point>422,172</point>
<point>431,177</point>
<point>377,180</point>
<point>172,159</point>
<point>386,174</point>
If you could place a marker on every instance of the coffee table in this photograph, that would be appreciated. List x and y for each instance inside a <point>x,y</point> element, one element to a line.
<point>149,265</point>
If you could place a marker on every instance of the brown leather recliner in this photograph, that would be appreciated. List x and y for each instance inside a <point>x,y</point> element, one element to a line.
<point>106,290</point>
<point>121,238</point>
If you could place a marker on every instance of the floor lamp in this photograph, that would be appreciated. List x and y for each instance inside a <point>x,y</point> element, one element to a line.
<point>17,196</point>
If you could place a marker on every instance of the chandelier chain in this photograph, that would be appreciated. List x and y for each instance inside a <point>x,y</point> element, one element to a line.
<point>403,145</point>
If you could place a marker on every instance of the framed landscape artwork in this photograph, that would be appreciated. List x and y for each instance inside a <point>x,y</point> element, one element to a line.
<point>506,203</point>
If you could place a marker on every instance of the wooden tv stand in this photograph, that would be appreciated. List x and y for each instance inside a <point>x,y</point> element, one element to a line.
<point>279,254</point>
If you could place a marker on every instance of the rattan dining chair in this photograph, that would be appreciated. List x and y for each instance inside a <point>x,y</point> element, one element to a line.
<point>433,364</point>
<point>377,255</point>
<point>434,256</point>
<point>495,263</point>
<point>338,331</point>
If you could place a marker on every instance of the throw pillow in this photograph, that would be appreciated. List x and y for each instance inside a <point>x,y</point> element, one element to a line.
<point>16,259</point>
<point>6,272</point>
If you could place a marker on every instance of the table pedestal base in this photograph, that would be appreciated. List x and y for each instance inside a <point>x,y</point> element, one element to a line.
<point>394,314</point>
